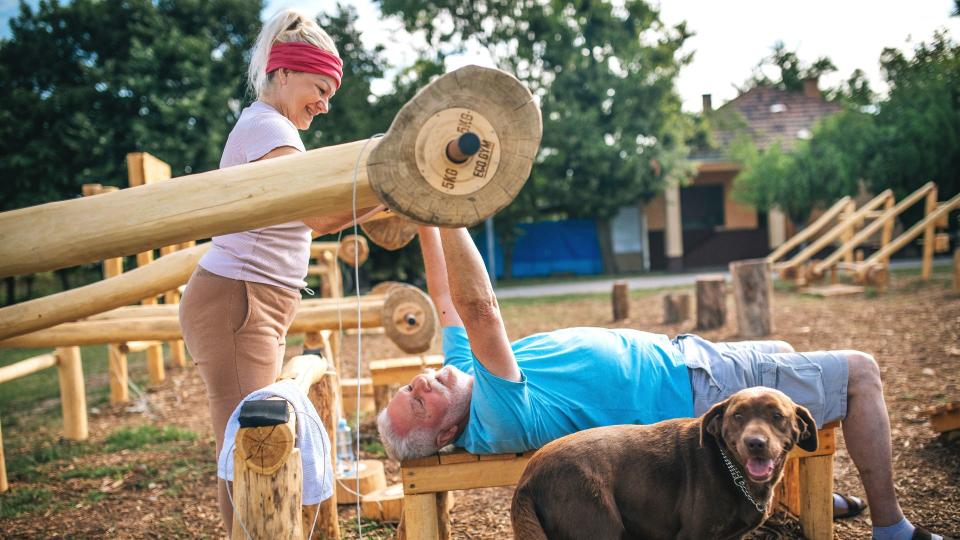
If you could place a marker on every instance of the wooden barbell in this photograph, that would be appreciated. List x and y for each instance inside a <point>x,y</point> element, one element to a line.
<point>409,170</point>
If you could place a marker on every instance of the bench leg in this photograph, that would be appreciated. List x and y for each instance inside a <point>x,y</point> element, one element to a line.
<point>420,516</point>
<point>816,497</point>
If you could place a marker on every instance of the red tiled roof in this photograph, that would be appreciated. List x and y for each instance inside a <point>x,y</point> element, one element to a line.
<point>769,115</point>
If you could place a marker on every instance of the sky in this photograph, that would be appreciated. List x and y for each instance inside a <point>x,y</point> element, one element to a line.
<point>731,36</point>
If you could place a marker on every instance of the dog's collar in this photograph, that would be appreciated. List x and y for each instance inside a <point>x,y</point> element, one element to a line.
<point>740,481</point>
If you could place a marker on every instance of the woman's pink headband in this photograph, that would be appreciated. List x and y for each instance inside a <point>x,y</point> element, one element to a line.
<point>300,56</point>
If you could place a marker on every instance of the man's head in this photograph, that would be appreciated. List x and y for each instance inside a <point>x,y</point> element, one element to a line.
<point>426,414</point>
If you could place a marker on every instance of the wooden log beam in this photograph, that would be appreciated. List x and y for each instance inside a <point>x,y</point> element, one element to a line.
<point>408,316</point>
<point>407,170</point>
<point>166,273</point>
<point>27,367</point>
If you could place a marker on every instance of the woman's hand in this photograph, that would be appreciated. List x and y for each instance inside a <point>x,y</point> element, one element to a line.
<point>332,223</point>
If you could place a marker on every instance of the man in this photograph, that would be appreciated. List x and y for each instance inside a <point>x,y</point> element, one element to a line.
<point>493,397</point>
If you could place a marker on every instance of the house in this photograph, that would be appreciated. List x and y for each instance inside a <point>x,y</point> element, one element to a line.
<point>700,225</point>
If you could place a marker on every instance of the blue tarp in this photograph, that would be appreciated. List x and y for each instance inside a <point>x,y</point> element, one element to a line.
<point>551,247</point>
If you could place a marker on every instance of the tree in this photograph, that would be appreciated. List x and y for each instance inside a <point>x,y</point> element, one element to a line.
<point>791,71</point>
<point>84,83</point>
<point>818,172</point>
<point>918,126</point>
<point>604,75</point>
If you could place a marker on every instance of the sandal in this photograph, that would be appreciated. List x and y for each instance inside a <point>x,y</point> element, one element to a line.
<point>855,507</point>
<point>919,533</point>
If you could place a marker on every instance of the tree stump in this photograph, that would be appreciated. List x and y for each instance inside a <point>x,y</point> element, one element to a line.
<point>621,301</point>
<point>711,302</point>
<point>676,307</point>
<point>753,297</point>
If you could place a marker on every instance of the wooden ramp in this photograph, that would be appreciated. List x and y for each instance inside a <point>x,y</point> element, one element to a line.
<point>836,289</point>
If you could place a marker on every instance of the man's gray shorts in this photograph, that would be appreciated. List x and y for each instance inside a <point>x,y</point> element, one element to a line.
<point>816,380</point>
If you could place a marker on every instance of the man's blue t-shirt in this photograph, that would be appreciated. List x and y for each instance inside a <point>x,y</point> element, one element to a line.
<point>573,379</point>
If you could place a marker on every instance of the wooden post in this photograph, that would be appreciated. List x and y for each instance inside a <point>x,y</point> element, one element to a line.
<point>178,354</point>
<point>73,399</point>
<point>143,169</point>
<point>711,302</point>
<point>886,235</point>
<point>420,516</point>
<point>621,301</point>
<point>816,497</point>
<point>849,211</point>
<point>753,296</point>
<point>676,307</point>
<point>112,268</point>
<point>324,396</point>
<point>956,270</point>
<point>268,504</point>
<point>4,486</point>
<point>930,206</point>
<point>117,374</point>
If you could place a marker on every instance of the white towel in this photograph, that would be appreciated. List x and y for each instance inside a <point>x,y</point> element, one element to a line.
<point>312,441</point>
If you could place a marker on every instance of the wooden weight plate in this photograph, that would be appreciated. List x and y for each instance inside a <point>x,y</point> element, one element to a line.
<point>354,249</point>
<point>386,286</point>
<point>411,173</point>
<point>409,319</point>
<point>390,233</point>
<point>265,449</point>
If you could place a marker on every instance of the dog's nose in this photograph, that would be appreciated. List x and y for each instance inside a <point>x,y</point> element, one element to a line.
<point>756,444</point>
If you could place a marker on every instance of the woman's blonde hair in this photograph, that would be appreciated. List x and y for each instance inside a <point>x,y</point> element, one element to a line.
<point>286,26</point>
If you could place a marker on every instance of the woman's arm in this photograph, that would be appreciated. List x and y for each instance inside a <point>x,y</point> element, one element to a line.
<point>329,223</point>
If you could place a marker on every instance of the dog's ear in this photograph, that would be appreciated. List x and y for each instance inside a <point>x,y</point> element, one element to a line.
<point>806,430</point>
<point>712,422</point>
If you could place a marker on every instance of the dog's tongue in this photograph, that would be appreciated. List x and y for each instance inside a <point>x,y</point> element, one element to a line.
<point>759,468</point>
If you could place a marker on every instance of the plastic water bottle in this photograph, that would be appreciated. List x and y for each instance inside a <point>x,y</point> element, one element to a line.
<point>345,457</point>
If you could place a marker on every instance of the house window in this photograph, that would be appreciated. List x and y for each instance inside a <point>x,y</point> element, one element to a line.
<point>702,207</point>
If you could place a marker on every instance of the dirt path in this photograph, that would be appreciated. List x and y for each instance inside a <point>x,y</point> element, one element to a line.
<point>166,489</point>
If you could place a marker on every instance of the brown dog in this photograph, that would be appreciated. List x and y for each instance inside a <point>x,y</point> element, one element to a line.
<point>666,480</point>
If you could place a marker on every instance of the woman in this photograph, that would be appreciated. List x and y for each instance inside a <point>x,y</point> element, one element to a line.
<point>243,296</point>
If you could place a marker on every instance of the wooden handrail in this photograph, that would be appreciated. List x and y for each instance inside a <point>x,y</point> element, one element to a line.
<point>870,229</point>
<point>835,232</point>
<point>912,233</point>
<point>809,230</point>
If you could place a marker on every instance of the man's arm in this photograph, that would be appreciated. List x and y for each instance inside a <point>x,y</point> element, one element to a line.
<point>436,270</point>
<point>474,301</point>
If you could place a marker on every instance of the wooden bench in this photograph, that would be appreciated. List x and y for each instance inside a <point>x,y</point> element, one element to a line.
<point>806,490</point>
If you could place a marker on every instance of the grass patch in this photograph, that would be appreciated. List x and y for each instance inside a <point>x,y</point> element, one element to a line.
<point>26,466</point>
<point>557,299</point>
<point>138,437</point>
<point>373,447</point>
<point>23,394</point>
<point>371,529</point>
<point>24,500</point>
<point>104,471</point>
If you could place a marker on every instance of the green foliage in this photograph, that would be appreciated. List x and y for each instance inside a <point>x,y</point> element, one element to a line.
<point>918,127</point>
<point>791,71</point>
<point>138,437</point>
<point>604,76</point>
<point>85,82</point>
<point>817,173</point>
